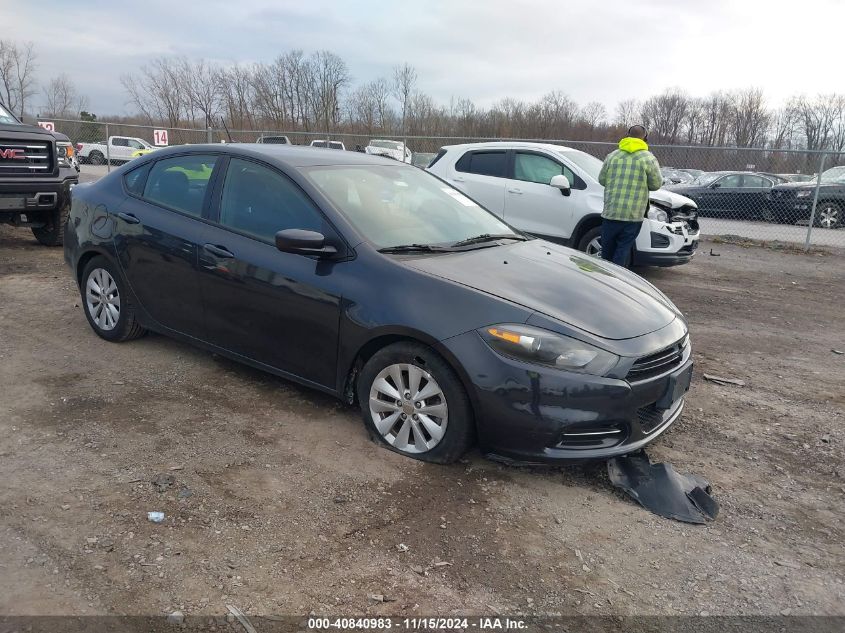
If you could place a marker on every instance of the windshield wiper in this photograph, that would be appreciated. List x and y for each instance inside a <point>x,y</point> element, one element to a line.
<point>489,237</point>
<point>415,248</point>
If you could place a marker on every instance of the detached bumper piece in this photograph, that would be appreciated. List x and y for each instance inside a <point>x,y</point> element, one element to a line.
<point>662,490</point>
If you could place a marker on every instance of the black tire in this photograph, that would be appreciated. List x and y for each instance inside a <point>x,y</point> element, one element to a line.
<point>126,326</point>
<point>828,215</point>
<point>588,237</point>
<point>53,233</point>
<point>96,158</point>
<point>459,432</point>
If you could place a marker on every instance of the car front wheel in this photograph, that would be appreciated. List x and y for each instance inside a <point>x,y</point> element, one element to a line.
<point>591,242</point>
<point>829,215</point>
<point>106,302</point>
<point>413,402</point>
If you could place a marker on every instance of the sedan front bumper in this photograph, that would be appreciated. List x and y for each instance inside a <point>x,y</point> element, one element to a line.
<point>534,414</point>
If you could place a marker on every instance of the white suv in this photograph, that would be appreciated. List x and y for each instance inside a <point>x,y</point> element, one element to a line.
<point>553,192</point>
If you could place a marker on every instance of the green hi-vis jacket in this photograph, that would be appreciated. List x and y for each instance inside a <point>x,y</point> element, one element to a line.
<point>628,174</point>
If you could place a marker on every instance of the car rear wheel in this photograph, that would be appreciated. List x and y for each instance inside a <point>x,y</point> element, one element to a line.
<point>107,305</point>
<point>413,402</point>
<point>591,242</point>
<point>96,158</point>
<point>829,215</point>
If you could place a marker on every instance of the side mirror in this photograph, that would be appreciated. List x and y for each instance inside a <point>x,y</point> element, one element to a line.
<point>561,182</point>
<point>302,242</point>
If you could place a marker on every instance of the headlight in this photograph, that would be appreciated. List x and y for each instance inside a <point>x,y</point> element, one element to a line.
<point>64,152</point>
<point>535,345</point>
<point>803,194</point>
<point>656,213</point>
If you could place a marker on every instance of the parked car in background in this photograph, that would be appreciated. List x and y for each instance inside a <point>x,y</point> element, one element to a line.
<point>793,202</point>
<point>672,176</point>
<point>775,178</point>
<point>798,177</point>
<point>390,149</point>
<point>553,192</point>
<point>301,263</point>
<point>36,176</point>
<point>695,173</point>
<point>332,144</point>
<point>729,194</point>
<point>118,149</point>
<point>275,139</point>
<point>422,159</point>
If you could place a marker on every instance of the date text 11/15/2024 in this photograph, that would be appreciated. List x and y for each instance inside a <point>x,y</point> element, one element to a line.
<point>417,624</point>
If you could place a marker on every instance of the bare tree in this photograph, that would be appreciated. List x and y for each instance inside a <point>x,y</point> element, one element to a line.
<point>61,99</point>
<point>404,83</point>
<point>17,74</point>
<point>593,114</point>
<point>330,76</point>
<point>750,118</point>
<point>664,114</point>
<point>627,113</point>
<point>235,85</point>
<point>202,90</point>
<point>379,90</point>
<point>158,91</point>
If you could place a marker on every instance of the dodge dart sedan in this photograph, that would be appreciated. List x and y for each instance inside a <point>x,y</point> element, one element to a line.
<point>379,283</point>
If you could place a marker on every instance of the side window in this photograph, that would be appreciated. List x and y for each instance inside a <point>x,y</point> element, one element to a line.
<point>734,180</point>
<point>261,202</point>
<point>135,179</point>
<point>180,183</point>
<point>119,142</point>
<point>483,163</point>
<point>539,169</point>
<point>756,181</point>
<point>134,144</point>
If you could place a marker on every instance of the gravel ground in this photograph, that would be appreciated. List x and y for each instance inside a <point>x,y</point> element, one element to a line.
<point>276,501</point>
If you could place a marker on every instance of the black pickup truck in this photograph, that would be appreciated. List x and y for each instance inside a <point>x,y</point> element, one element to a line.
<point>36,175</point>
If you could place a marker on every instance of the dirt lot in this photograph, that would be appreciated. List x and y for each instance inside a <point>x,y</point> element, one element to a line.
<point>281,505</point>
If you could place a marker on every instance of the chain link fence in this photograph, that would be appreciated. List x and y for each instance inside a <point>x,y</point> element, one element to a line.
<point>759,194</point>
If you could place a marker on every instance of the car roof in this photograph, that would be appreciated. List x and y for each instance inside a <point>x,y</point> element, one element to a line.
<point>285,155</point>
<point>512,145</point>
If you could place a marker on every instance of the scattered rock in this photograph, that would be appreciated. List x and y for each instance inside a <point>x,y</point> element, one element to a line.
<point>185,493</point>
<point>402,547</point>
<point>418,570</point>
<point>177,617</point>
<point>837,351</point>
<point>65,507</point>
<point>340,499</point>
<point>163,482</point>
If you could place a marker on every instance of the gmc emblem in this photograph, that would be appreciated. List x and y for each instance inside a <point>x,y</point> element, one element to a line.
<point>14,154</point>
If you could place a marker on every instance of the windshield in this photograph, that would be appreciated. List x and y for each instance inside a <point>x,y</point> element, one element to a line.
<point>399,205</point>
<point>587,163</point>
<point>386,144</point>
<point>5,115</point>
<point>834,174</point>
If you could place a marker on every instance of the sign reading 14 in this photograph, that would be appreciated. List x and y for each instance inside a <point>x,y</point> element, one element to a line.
<point>160,137</point>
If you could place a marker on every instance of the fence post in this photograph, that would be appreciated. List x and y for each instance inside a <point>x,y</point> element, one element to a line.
<point>815,202</point>
<point>209,135</point>
<point>108,152</point>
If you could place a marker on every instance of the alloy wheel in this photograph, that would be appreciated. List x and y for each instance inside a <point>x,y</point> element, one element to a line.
<point>408,408</point>
<point>829,216</point>
<point>102,299</point>
<point>594,247</point>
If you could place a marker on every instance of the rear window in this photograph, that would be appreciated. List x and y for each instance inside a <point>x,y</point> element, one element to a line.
<point>180,183</point>
<point>135,179</point>
<point>483,163</point>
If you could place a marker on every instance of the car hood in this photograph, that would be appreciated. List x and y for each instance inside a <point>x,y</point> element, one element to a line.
<point>25,129</point>
<point>561,283</point>
<point>670,199</point>
<point>789,186</point>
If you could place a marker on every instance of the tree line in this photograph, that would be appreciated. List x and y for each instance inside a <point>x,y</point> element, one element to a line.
<point>315,93</point>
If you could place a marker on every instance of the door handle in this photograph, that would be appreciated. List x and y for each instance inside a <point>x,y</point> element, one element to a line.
<point>514,190</point>
<point>218,251</point>
<point>128,218</point>
<point>458,179</point>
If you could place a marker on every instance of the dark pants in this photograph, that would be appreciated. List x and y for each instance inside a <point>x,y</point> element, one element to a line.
<point>617,240</point>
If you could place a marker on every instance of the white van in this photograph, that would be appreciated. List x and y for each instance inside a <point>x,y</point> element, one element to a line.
<point>553,192</point>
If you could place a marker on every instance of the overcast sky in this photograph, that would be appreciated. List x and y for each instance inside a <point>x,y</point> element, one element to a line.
<point>605,50</point>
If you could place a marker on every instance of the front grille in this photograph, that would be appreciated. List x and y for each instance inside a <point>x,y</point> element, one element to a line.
<point>658,363</point>
<point>658,240</point>
<point>25,158</point>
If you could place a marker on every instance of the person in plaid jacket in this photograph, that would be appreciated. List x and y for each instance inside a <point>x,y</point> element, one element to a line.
<point>627,175</point>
